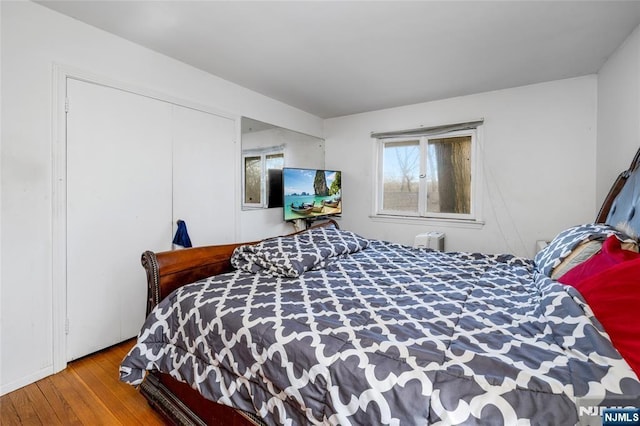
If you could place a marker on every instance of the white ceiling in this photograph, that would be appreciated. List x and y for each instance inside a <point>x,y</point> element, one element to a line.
<point>338,58</point>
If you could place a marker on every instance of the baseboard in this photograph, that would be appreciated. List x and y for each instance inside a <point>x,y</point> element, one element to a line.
<point>27,380</point>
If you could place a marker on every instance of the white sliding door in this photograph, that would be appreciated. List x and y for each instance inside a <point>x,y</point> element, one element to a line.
<point>119,203</point>
<point>204,175</point>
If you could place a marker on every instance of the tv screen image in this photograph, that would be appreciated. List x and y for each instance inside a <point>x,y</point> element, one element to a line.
<point>311,193</point>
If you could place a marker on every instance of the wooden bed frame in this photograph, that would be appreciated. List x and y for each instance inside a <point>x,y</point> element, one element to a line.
<point>166,271</point>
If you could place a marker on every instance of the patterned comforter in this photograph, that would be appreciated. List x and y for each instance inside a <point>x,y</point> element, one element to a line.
<point>328,328</point>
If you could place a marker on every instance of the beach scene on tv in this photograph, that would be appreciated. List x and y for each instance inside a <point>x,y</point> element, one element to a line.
<point>309,193</point>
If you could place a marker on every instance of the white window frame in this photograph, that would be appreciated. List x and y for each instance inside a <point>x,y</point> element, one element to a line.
<point>263,154</point>
<point>422,213</point>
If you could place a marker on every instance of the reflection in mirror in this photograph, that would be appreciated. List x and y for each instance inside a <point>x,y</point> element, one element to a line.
<point>266,149</point>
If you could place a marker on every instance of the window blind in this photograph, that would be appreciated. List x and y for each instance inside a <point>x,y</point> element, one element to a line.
<point>427,131</point>
<point>267,150</point>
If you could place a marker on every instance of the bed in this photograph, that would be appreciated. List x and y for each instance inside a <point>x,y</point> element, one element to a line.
<point>328,327</point>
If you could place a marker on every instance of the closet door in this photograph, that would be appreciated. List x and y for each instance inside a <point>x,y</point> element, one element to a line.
<point>119,203</point>
<point>204,175</point>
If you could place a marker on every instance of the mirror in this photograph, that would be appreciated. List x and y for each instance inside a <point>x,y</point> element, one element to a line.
<point>266,149</point>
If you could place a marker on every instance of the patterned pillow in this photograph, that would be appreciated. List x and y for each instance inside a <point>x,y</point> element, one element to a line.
<point>564,243</point>
<point>292,255</point>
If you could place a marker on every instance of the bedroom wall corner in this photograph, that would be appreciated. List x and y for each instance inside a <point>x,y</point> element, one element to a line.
<point>618,113</point>
<point>538,148</point>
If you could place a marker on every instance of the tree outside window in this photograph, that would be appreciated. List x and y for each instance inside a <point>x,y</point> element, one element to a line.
<point>427,176</point>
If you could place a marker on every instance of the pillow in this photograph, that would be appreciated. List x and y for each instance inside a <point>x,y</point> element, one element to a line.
<point>583,252</point>
<point>611,254</point>
<point>292,255</point>
<point>563,244</point>
<point>614,297</point>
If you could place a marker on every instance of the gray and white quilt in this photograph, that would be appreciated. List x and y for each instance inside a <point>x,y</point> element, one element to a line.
<point>325,327</point>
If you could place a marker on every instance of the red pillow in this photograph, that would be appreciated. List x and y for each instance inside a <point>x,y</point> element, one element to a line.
<point>614,298</point>
<point>611,254</point>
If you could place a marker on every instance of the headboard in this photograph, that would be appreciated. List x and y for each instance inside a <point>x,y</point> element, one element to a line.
<point>622,204</point>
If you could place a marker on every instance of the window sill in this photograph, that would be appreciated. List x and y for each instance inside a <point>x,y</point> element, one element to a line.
<point>451,223</point>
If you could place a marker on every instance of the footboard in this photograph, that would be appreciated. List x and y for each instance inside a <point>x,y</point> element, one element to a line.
<point>169,270</point>
<point>176,401</point>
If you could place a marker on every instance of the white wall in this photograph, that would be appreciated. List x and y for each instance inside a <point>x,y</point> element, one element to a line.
<point>538,163</point>
<point>33,39</point>
<point>618,113</point>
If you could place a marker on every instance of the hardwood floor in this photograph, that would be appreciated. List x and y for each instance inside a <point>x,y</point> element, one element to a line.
<point>88,392</point>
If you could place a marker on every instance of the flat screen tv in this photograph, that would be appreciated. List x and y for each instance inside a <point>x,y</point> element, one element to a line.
<point>311,193</point>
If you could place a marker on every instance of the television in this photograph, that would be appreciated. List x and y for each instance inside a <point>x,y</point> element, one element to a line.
<point>311,193</point>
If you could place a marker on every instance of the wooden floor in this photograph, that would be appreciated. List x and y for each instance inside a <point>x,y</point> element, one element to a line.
<point>88,392</point>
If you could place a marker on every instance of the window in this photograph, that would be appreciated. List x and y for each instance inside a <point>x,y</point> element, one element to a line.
<point>260,176</point>
<point>427,175</point>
